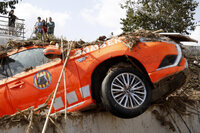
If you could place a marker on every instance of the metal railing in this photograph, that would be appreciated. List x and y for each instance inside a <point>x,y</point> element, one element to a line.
<point>17,31</point>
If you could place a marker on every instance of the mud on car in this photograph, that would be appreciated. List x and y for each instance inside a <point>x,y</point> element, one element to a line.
<point>125,81</point>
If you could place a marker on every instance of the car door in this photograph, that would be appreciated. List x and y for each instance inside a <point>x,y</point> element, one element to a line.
<point>35,77</point>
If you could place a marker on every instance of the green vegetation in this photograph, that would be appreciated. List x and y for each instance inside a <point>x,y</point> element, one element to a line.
<point>4,5</point>
<point>169,15</point>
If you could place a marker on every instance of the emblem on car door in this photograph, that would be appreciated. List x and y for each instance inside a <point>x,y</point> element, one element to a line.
<point>42,79</point>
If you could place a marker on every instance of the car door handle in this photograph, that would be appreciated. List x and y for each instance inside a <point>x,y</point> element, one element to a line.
<point>17,84</point>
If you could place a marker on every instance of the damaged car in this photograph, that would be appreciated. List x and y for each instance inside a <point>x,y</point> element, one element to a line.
<point>126,81</point>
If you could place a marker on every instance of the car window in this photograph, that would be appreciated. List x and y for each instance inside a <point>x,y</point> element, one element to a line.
<point>4,70</point>
<point>21,61</point>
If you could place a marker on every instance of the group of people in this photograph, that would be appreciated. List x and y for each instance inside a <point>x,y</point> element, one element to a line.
<point>44,27</point>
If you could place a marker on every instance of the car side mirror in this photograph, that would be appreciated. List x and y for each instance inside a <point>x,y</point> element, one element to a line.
<point>52,53</point>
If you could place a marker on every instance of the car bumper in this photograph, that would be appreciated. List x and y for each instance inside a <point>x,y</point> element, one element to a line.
<point>169,84</point>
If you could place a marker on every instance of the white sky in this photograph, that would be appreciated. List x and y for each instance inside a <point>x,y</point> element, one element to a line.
<point>79,19</point>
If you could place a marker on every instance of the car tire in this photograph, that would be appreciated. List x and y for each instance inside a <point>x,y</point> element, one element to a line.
<point>126,93</point>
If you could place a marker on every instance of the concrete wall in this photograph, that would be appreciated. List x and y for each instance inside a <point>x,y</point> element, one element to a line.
<point>103,122</point>
<point>192,50</point>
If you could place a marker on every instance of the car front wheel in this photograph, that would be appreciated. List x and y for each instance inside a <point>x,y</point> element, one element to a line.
<point>125,92</point>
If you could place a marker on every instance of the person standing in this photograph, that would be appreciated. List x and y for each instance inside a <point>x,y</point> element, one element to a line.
<point>38,26</point>
<point>11,22</point>
<point>44,29</point>
<point>50,27</point>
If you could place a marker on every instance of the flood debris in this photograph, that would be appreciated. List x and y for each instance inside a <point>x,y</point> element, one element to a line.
<point>31,117</point>
<point>129,37</point>
<point>27,69</point>
<point>184,101</point>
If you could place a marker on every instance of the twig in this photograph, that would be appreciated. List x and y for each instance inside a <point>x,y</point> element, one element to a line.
<point>19,112</point>
<point>134,64</point>
<point>49,97</point>
<point>198,109</point>
<point>65,88</point>
<point>158,31</point>
<point>41,107</point>
<point>170,114</point>
<point>189,106</point>
<point>55,92</point>
<point>30,121</point>
<point>183,121</point>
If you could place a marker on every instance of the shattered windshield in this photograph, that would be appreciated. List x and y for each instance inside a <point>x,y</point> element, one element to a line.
<point>22,61</point>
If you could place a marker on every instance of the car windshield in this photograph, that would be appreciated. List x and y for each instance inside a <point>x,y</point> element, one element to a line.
<point>22,61</point>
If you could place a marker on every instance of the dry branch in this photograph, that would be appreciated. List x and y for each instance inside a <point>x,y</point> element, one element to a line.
<point>55,91</point>
<point>30,121</point>
<point>60,130</point>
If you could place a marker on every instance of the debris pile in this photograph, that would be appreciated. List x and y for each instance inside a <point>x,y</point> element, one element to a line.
<point>129,37</point>
<point>184,101</point>
<point>31,117</point>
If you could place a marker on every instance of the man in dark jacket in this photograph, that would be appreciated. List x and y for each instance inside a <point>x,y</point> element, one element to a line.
<point>11,22</point>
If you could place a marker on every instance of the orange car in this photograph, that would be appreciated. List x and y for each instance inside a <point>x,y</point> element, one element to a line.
<point>125,81</point>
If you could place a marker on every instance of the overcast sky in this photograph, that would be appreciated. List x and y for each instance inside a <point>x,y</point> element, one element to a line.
<point>79,19</point>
